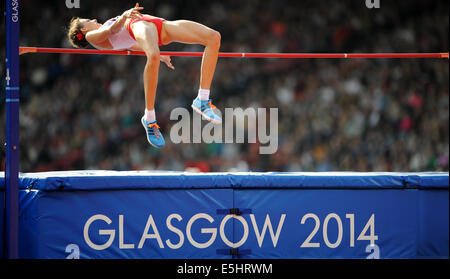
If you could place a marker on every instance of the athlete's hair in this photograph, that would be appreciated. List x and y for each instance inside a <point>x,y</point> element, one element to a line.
<point>75,35</point>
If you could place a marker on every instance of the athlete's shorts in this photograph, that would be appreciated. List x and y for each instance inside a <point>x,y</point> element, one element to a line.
<point>156,20</point>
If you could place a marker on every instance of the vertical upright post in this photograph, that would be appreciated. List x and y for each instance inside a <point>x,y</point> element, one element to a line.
<point>12,128</point>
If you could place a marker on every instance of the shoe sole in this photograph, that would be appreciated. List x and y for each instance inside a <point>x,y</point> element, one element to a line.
<point>145,128</point>
<point>214,121</point>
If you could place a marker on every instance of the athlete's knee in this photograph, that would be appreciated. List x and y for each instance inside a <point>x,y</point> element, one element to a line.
<point>153,57</point>
<point>214,39</point>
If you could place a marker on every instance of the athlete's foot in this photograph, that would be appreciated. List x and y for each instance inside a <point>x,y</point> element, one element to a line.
<point>206,109</point>
<point>154,136</point>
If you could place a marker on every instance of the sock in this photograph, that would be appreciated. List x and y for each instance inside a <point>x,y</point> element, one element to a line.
<point>150,115</point>
<point>203,94</point>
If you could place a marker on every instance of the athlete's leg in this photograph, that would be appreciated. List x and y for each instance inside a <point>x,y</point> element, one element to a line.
<point>189,32</point>
<point>146,36</point>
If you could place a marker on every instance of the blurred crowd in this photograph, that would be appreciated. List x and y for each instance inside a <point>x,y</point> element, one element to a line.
<point>83,111</point>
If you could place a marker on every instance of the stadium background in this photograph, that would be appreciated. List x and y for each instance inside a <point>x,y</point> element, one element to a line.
<point>83,112</point>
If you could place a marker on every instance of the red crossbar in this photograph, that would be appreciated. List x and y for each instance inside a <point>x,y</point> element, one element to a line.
<point>24,50</point>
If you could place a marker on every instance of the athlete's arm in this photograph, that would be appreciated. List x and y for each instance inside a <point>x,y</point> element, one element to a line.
<point>96,37</point>
<point>164,58</point>
<point>136,47</point>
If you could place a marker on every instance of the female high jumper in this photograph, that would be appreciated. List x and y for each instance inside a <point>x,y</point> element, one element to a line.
<point>135,31</point>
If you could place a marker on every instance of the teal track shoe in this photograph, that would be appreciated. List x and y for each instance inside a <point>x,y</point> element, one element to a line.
<point>154,136</point>
<point>206,109</point>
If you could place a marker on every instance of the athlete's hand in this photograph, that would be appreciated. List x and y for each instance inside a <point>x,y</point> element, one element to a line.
<point>166,59</point>
<point>134,12</point>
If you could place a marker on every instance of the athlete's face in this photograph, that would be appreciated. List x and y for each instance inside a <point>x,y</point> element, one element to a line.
<point>89,24</point>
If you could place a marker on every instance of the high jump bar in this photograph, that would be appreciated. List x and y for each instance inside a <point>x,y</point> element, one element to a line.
<point>23,50</point>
